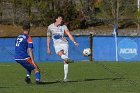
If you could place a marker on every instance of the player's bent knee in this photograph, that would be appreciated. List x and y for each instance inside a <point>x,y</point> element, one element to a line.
<point>65,62</point>
<point>60,53</point>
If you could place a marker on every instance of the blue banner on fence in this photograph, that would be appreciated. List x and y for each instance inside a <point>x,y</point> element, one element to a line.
<point>7,49</point>
<point>104,48</point>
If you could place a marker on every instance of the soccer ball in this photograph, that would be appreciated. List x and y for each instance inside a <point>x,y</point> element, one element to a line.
<point>87,52</point>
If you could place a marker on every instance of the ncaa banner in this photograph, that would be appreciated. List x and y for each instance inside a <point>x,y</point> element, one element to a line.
<point>128,49</point>
<point>104,48</point>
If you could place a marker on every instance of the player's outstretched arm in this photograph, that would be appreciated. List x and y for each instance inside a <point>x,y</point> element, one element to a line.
<point>71,37</point>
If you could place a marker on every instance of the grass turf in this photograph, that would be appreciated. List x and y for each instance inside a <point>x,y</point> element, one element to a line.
<point>85,77</point>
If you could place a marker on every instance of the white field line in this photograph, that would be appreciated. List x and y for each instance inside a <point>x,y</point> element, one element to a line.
<point>5,65</point>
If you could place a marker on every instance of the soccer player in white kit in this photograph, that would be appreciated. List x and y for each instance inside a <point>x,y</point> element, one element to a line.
<point>56,31</point>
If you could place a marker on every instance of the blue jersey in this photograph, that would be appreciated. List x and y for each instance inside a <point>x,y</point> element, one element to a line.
<point>23,42</point>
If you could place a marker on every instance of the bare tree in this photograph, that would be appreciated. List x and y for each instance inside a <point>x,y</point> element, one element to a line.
<point>0,10</point>
<point>14,11</point>
<point>116,9</point>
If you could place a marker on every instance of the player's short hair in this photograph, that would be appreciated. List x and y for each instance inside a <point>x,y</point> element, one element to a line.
<point>59,15</point>
<point>26,25</point>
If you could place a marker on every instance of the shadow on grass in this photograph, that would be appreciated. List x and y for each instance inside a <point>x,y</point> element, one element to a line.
<point>72,81</point>
<point>66,82</point>
<point>85,80</point>
<point>104,79</point>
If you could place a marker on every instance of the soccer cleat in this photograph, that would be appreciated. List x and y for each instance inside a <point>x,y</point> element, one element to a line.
<point>66,80</point>
<point>69,61</point>
<point>40,82</point>
<point>28,80</point>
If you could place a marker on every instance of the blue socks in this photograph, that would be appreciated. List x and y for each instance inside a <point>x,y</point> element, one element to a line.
<point>37,75</point>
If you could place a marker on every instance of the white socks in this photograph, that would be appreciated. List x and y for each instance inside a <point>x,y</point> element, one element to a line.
<point>28,75</point>
<point>65,66</point>
<point>65,71</point>
<point>64,57</point>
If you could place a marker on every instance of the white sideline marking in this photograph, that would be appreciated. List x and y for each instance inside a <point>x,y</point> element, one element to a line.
<point>5,65</point>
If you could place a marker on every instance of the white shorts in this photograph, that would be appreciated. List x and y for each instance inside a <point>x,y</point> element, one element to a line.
<point>61,47</point>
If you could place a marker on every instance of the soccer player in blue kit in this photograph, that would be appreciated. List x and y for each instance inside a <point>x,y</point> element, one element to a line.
<point>24,54</point>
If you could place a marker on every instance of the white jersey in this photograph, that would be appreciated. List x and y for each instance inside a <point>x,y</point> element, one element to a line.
<point>57,34</point>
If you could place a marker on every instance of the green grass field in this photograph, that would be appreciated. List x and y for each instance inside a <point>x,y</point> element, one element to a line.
<point>85,77</point>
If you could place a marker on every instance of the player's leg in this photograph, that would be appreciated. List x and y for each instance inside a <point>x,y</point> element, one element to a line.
<point>28,72</point>
<point>66,67</point>
<point>65,71</point>
<point>28,68</point>
<point>27,78</point>
<point>35,68</point>
<point>62,51</point>
<point>65,57</point>
<point>37,72</point>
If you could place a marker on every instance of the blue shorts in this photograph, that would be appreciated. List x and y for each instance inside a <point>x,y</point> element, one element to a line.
<point>27,64</point>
